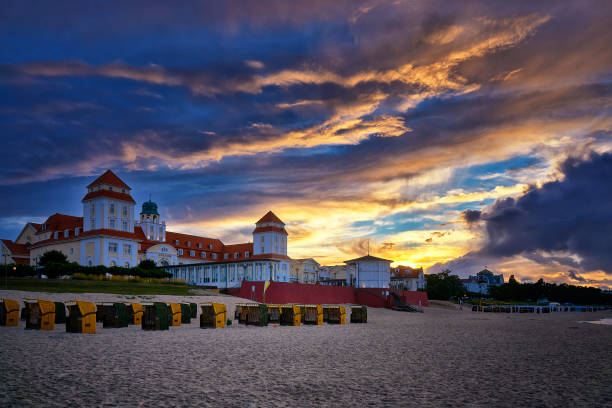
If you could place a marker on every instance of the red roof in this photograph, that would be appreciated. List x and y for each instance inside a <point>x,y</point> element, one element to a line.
<point>136,235</point>
<point>171,237</point>
<point>107,193</point>
<point>270,217</point>
<point>109,178</point>
<point>16,249</point>
<point>61,222</point>
<point>405,272</point>
<point>266,229</point>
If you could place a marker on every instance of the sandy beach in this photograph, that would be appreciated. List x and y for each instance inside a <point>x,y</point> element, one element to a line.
<point>442,357</point>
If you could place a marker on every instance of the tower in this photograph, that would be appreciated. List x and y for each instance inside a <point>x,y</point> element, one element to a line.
<point>150,222</point>
<point>108,204</point>
<point>270,236</point>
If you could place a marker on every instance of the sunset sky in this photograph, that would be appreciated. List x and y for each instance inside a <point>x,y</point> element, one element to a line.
<point>445,134</point>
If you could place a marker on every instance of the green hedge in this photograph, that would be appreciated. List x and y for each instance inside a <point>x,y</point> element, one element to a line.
<point>55,270</point>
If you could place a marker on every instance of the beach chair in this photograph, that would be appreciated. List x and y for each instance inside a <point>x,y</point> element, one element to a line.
<point>185,313</point>
<point>213,315</point>
<point>359,314</point>
<point>60,313</point>
<point>81,317</point>
<point>115,315</point>
<point>313,315</point>
<point>41,314</point>
<point>290,315</point>
<point>336,315</point>
<point>275,313</point>
<point>9,313</point>
<point>175,314</point>
<point>257,314</point>
<point>326,313</point>
<point>194,310</point>
<point>155,316</point>
<point>135,311</point>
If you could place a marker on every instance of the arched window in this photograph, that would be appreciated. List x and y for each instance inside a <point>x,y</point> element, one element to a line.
<point>164,262</point>
<point>127,265</point>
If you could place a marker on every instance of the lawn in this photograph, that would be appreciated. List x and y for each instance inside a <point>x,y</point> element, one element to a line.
<point>89,286</point>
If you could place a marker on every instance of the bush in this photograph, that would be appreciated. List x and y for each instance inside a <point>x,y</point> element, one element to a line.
<point>17,270</point>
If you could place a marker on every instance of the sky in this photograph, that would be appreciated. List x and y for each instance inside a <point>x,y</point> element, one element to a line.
<point>440,134</point>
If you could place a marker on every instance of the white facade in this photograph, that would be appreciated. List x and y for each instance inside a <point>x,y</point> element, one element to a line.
<point>369,272</point>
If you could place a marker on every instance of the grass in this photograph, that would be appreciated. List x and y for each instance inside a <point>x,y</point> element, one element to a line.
<point>119,287</point>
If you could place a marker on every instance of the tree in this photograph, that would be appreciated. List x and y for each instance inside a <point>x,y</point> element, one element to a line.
<point>53,256</point>
<point>444,286</point>
<point>147,264</point>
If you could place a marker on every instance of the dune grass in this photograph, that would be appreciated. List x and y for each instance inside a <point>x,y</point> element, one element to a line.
<point>121,287</point>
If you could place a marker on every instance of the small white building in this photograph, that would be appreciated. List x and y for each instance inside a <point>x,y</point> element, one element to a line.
<point>368,272</point>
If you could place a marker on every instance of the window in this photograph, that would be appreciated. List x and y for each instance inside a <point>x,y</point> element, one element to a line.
<point>112,208</point>
<point>127,249</point>
<point>236,255</point>
<point>123,190</point>
<point>127,265</point>
<point>180,251</point>
<point>188,243</point>
<point>111,223</point>
<point>77,231</point>
<point>125,225</point>
<point>93,224</point>
<point>125,211</point>
<point>176,242</point>
<point>210,246</point>
<point>164,249</point>
<point>110,188</point>
<point>246,254</point>
<point>71,251</point>
<point>113,263</point>
<point>214,256</point>
<point>55,235</point>
<point>199,245</point>
<point>66,233</point>
<point>89,262</point>
<point>225,256</point>
<point>112,247</point>
<point>203,254</point>
<point>44,227</point>
<point>192,253</point>
<point>262,245</point>
<point>92,210</point>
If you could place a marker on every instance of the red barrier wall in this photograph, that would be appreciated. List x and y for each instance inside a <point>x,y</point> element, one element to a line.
<point>284,292</point>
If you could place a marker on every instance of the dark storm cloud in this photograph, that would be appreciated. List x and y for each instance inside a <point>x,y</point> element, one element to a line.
<point>570,215</point>
<point>574,275</point>
<point>471,216</point>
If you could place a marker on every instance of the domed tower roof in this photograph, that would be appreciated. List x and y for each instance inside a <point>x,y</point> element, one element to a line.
<point>149,207</point>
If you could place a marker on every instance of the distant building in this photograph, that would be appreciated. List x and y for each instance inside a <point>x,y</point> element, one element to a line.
<point>368,272</point>
<point>407,278</point>
<point>333,275</point>
<point>110,233</point>
<point>304,270</point>
<point>481,282</point>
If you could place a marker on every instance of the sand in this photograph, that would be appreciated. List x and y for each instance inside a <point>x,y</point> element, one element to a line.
<point>442,357</point>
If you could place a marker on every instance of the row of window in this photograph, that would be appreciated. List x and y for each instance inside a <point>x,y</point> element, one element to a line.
<point>111,209</point>
<point>213,255</point>
<point>188,243</point>
<point>113,248</point>
<point>77,231</point>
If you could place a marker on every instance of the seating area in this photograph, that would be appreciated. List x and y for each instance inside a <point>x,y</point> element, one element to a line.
<point>82,316</point>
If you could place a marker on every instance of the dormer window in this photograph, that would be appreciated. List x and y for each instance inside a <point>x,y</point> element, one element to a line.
<point>236,255</point>
<point>192,253</point>
<point>110,188</point>
<point>123,190</point>
<point>66,233</point>
<point>203,254</point>
<point>199,245</point>
<point>214,256</point>
<point>176,242</point>
<point>188,243</point>
<point>225,256</point>
<point>180,251</point>
<point>246,254</point>
<point>210,246</point>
